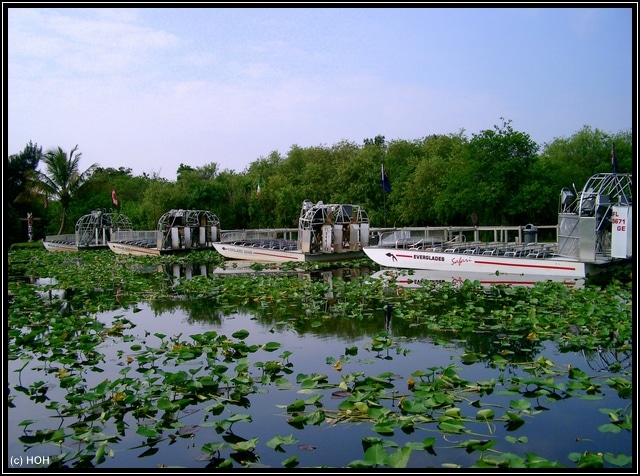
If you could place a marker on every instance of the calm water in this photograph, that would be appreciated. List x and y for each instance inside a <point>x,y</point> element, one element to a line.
<point>557,429</point>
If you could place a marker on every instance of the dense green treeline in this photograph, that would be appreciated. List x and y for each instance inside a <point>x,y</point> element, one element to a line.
<point>499,174</point>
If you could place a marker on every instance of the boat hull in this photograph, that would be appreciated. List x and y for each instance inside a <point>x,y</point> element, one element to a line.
<point>127,249</point>
<point>55,247</point>
<point>266,255</point>
<point>442,261</point>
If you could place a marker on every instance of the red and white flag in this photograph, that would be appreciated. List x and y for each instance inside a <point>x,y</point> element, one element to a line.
<point>114,198</point>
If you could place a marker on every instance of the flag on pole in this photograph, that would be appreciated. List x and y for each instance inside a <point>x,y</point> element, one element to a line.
<point>114,198</point>
<point>259,187</point>
<point>614,160</point>
<point>386,186</point>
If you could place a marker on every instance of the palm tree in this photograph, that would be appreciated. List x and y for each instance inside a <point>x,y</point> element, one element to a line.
<point>62,179</point>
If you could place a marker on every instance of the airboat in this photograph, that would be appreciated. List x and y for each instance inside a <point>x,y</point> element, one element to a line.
<point>177,230</point>
<point>326,232</point>
<point>594,230</point>
<point>92,230</point>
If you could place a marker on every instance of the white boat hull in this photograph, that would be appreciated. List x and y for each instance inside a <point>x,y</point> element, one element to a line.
<point>51,246</point>
<point>467,263</point>
<point>127,249</point>
<point>266,255</point>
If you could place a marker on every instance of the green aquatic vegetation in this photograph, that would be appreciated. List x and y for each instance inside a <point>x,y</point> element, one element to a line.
<point>160,391</point>
<point>434,398</point>
<point>165,378</point>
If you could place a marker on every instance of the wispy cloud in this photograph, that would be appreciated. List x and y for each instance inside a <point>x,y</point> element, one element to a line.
<point>155,87</point>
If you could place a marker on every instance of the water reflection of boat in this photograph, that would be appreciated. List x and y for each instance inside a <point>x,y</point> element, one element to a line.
<point>92,230</point>
<point>187,271</point>
<point>416,278</point>
<point>177,230</point>
<point>611,359</point>
<point>176,272</point>
<point>594,230</point>
<point>326,232</point>
<point>246,268</point>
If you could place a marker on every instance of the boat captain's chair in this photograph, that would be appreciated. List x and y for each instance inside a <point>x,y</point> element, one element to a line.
<point>588,203</point>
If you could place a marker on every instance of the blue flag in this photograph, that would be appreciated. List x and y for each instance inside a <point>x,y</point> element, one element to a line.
<point>386,186</point>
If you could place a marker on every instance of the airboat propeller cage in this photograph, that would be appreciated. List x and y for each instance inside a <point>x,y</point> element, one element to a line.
<point>332,228</point>
<point>598,222</point>
<point>186,229</point>
<point>95,228</point>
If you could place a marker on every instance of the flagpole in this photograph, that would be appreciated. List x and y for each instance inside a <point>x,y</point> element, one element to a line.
<point>384,198</point>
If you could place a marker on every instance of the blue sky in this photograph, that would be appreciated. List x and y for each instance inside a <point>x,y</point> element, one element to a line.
<point>152,88</point>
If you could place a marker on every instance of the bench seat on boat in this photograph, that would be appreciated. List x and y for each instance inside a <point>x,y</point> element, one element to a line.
<point>540,253</point>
